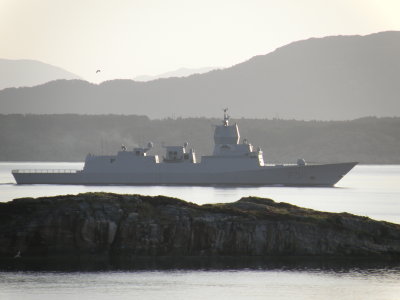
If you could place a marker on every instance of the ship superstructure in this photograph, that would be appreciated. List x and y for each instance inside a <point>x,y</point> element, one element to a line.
<point>231,163</point>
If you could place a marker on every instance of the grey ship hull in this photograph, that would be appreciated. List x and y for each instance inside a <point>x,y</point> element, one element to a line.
<point>286,175</point>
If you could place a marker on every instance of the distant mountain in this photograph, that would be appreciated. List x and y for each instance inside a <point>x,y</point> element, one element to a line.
<point>26,73</point>
<point>182,72</point>
<point>332,78</point>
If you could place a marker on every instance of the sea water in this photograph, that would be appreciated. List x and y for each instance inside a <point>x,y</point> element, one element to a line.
<point>368,190</point>
<point>178,284</point>
<point>372,191</point>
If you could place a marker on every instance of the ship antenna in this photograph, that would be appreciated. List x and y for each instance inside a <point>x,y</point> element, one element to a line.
<point>226,117</point>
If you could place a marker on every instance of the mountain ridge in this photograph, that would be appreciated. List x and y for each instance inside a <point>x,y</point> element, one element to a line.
<point>27,73</point>
<point>330,78</point>
<point>181,72</point>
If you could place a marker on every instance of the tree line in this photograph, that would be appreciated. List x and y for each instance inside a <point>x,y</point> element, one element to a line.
<point>69,137</point>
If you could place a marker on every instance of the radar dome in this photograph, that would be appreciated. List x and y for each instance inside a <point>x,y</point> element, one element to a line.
<point>301,162</point>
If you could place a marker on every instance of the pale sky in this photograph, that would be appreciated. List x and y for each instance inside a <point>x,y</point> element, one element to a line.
<point>127,38</point>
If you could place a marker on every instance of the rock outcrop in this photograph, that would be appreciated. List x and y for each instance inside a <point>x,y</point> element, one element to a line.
<point>113,225</point>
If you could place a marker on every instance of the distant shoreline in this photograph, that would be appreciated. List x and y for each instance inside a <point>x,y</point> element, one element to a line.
<point>70,138</point>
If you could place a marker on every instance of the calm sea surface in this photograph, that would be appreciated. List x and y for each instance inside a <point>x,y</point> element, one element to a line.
<point>372,191</point>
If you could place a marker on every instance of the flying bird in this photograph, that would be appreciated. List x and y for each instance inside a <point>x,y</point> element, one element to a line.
<point>98,71</point>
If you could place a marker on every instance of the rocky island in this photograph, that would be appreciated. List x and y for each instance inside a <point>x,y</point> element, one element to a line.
<point>108,226</point>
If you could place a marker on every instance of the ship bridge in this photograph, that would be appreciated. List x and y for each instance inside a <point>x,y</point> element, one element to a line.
<point>227,142</point>
<point>225,133</point>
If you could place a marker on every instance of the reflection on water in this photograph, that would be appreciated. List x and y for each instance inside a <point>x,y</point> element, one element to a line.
<point>372,191</point>
<point>205,284</point>
<point>365,265</point>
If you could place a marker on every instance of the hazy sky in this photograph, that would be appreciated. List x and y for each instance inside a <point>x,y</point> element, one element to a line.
<point>127,38</point>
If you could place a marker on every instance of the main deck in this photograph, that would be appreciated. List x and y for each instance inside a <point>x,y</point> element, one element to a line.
<point>287,175</point>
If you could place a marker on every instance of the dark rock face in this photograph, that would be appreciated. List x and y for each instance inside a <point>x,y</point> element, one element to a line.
<point>113,225</point>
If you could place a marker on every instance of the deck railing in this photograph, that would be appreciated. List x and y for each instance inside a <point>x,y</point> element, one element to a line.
<point>36,171</point>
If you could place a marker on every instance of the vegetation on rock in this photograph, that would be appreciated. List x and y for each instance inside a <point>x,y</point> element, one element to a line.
<point>113,225</point>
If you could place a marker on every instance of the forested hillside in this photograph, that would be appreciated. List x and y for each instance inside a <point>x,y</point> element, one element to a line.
<point>71,137</point>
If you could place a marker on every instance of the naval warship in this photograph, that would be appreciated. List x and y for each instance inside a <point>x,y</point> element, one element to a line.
<point>231,163</point>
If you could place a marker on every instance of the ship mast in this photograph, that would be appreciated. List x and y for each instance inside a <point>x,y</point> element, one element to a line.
<point>226,117</point>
